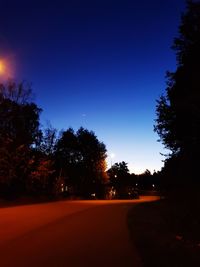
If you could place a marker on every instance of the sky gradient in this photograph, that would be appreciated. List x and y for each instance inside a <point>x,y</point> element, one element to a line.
<point>100,65</point>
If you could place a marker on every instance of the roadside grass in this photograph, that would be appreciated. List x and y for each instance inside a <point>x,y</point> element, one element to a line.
<point>158,242</point>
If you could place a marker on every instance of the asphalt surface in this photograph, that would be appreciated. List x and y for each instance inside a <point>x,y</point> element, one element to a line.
<point>68,233</point>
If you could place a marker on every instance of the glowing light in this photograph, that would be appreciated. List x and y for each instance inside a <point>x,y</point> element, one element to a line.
<point>112,155</point>
<point>7,67</point>
<point>2,67</point>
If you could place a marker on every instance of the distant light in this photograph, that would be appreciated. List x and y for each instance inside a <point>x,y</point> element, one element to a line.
<point>93,195</point>
<point>62,187</point>
<point>115,175</point>
<point>112,192</point>
<point>136,184</point>
<point>112,155</point>
<point>153,185</point>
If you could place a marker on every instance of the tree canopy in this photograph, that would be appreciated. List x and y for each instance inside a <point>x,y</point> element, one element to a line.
<point>19,131</point>
<point>81,159</point>
<point>119,174</point>
<point>178,111</point>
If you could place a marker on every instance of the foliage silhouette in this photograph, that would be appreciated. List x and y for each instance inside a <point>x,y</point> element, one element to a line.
<point>178,112</point>
<point>19,132</point>
<point>80,159</point>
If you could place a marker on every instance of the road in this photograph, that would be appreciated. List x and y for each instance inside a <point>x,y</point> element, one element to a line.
<point>68,233</point>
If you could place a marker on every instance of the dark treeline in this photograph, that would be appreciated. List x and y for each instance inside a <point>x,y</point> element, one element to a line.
<point>35,162</point>
<point>178,125</point>
<point>178,111</point>
<point>42,162</point>
<point>129,184</point>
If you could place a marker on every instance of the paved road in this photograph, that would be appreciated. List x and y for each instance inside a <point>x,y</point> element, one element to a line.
<point>67,233</point>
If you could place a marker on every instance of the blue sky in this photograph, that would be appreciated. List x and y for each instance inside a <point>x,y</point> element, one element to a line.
<point>100,65</point>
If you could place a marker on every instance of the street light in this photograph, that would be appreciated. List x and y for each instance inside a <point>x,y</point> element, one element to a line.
<point>6,68</point>
<point>2,67</point>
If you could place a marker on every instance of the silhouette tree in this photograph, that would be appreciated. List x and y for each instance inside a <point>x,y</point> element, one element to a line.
<point>178,112</point>
<point>80,160</point>
<point>68,157</point>
<point>93,164</point>
<point>145,180</point>
<point>19,132</point>
<point>40,177</point>
<point>122,180</point>
<point>48,141</point>
<point>119,172</point>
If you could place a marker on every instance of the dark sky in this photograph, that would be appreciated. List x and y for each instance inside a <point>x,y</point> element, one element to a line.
<point>97,64</point>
